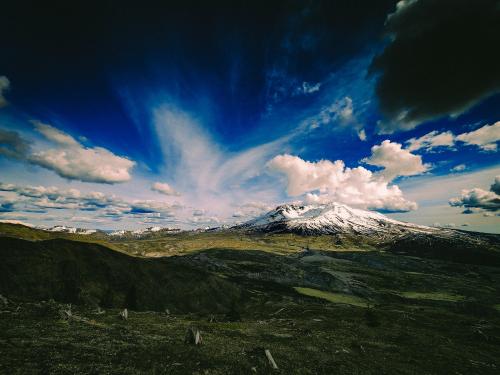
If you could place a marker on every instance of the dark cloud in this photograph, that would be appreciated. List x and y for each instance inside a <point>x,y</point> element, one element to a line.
<point>476,200</point>
<point>496,185</point>
<point>12,145</point>
<point>442,59</point>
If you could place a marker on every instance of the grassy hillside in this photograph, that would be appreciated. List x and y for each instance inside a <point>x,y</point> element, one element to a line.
<point>86,273</point>
<point>349,312</point>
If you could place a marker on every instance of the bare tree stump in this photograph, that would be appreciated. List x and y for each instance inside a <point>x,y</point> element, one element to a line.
<point>193,336</point>
<point>124,314</point>
<point>270,358</point>
<point>99,311</point>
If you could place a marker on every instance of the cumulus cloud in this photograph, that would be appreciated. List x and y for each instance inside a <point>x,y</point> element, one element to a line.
<point>164,188</point>
<point>478,198</point>
<point>485,138</point>
<point>69,158</point>
<point>415,81</point>
<point>72,160</point>
<point>4,86</point>
<point>32,198</point>
<point>395,161</point>
<point>326,181</point>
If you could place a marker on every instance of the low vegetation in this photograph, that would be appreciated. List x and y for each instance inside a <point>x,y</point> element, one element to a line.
<point>317,311</point>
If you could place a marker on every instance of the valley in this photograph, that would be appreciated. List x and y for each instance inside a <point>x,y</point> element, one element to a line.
<point>319,305</point>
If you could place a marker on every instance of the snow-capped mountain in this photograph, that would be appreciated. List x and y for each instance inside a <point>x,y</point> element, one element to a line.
<point>330,218</point>
<point>66,229</point>
<point>144,232</point>
<point>353,228</point>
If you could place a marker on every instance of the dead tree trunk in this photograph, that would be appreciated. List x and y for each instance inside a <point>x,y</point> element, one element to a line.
<point>124,314</point>
<point>193,336</point>
<point>270,358</point>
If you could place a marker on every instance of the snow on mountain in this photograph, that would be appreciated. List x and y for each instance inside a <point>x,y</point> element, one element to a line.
<point>143,232</point>
<point>328,219</point>
<point>65,229</point>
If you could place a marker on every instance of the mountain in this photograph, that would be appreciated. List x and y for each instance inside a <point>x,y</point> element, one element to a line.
<point>66,229</point>
<point>143,233</point>
<point>352,228</point>
<point>330,218</point>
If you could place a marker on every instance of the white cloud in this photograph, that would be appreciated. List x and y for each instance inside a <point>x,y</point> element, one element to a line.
<point>485,137</point>
<point>326,181</point>
<point>32,198</point>
<point>55,135</point>
<point>164,188</point>
<point>70,159</point>
<point>395,160</point>
<point>458,168</point>
<point>307,88</point>
<point>4,86</point>
<point>210,177</point>
<point>431,140</point>
<point>362,135</point>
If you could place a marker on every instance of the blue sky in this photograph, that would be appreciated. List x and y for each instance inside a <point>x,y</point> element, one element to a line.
<point>201,114</point>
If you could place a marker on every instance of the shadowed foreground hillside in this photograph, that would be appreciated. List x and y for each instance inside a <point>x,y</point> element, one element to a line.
<point>317,312</point>
<point>86,273</point>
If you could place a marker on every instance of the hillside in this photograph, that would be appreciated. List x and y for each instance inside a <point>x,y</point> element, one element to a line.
<point>86,273</point>
<point>356,312</point>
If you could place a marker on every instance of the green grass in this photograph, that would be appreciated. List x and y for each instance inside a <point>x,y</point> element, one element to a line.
<point>332,297</point>
<point>433,296</point>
